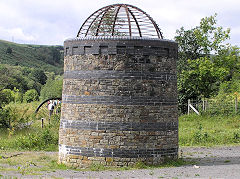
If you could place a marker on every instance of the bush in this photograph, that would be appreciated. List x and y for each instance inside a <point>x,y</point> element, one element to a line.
<point>31,95</point>
<point>4,118</point>
<point>52,89</point>
<point>9,50</point>
<point>45,139</point>
<point>6,96</point>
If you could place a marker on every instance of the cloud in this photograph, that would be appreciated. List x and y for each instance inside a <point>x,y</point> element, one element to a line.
<point>16,34</point>
<point>51,22</point>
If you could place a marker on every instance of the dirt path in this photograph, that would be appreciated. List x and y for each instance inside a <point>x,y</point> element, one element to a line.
<point>217,162</point>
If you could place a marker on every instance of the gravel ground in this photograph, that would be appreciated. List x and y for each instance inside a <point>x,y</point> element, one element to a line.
<point>217,162</point>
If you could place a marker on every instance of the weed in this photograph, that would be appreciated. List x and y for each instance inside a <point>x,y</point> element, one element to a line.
<point>140,165</point>
<point>227,161</point>
<point>26,168</point>
<point>197,175</point>
<point>97,167</point>
<point>151,173</point>
<point>55,165</point>
<point>236,136</point>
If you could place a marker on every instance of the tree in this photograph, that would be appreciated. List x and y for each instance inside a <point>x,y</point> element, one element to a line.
<point>38,76</point>
<point>204,60</point>
<point>6,97</point>
<point>9,50</point>
<point>52,89</point>
<point>30,95</point>
<point>56,56</point>
<point>203,40</point>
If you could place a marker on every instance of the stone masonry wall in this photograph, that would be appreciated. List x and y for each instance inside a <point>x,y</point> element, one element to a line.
<point>119,102</point>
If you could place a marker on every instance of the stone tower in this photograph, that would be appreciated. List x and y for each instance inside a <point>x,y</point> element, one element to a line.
<point>119,102</point>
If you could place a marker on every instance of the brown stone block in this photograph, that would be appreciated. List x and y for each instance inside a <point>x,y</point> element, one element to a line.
<point>109,159</point>
<point>85,158</point>
<point>114,146</point>
<point>96,137</point>
<point>99,158</point>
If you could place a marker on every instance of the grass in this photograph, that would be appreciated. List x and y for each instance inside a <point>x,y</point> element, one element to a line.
<point>194,130</point>
<point>30,138</point>
<point>30,163</point>
<point>209,130</point>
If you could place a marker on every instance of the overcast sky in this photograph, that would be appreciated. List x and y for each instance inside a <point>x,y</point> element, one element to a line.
<point>50,22</point>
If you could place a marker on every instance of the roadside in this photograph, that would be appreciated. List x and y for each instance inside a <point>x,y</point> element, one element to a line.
<point>215,162</point>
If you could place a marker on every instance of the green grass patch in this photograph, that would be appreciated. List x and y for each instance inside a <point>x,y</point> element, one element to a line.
<point>207,130</point>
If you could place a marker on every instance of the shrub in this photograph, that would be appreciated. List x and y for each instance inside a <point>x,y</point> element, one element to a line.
<point>52,89</point>
<point>44,139</point>
<point>31,95</point>
<point>9,50</point>
<point>4,118</point>
<point>6,96</point>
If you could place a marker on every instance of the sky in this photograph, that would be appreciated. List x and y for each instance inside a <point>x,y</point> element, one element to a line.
<point>50,22</point>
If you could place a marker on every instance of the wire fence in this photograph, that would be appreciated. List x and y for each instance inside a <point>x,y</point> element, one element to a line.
<point>214,106</point>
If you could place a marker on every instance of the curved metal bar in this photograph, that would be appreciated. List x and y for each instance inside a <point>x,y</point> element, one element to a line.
<point>139,30</point>
<point>88,19</point>
<point>129,23</point>
<point>115,19</point>
<point>151,19</point>
<point>131,10</point>
<point>40,105</point>
<point>92,23</point>
<point>109,7</point>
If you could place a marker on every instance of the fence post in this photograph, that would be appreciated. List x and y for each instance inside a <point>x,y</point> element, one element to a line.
<point>42,122</point>
<point>188,107</point>
<point>236,104</point>
<point>206,105</point>
<point>203,104</point>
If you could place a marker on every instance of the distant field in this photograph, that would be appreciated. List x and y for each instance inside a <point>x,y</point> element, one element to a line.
<point>48,58</point>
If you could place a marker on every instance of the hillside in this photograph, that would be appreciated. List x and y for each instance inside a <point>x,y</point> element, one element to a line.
<point>47,58</point>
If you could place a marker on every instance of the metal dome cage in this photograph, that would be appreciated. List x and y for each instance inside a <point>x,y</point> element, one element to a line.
<point>120,20</point>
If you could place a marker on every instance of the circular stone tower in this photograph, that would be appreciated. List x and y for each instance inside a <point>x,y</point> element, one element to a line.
<point>119,102</point>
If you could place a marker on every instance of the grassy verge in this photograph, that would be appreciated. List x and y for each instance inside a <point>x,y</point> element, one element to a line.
<point>209,130</point>
<point>28,163</point>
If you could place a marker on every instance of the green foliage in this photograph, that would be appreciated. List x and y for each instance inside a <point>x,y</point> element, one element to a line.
<point>31,95</point>
<point>38,76</point>
<point>45,139</point>
<point>15,116</point>
<point>19,80</point>
<point>9,50</point>
<point>12,77</point>
<point>204,61</point>
<point>24,131</point>
<point>47,58</point>
<point>202,40</point>
<point>4,118</point>
<point>52,89</point>
<point>6,96</point>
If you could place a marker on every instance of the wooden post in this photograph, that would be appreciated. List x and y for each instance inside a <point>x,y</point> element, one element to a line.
<point>189,106</point>
<point>42,122</point>
<point>203,105</point>
<point>236,104</point>
<point>206,105</point>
